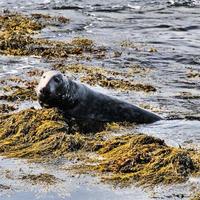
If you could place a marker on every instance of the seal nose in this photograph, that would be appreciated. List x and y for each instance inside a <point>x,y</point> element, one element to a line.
<point>44,91</point>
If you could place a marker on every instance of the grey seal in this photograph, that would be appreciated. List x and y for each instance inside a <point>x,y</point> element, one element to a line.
<point>79,101</point>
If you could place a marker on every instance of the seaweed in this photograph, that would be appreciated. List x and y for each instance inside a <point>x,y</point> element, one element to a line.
<point>145,160</point>
<point>42,178</point>
<point>193,74</point>
<point>196,197</point>
<point>6,108</point>
<point>43,135</point>
<point>19,94</point>
<point>111,79</point>
<point>37,133</point>
<point>16,38</point>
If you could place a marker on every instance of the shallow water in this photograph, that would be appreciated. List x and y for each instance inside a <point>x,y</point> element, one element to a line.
<point>70,187</point>
<point>172,27</point>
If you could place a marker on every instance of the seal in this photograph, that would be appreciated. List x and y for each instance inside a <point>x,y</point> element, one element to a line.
<point>76,100</point>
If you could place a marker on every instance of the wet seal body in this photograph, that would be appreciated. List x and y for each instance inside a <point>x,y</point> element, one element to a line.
<point>79,101</point>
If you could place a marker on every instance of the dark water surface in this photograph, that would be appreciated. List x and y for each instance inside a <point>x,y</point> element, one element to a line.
<point>172,27</point>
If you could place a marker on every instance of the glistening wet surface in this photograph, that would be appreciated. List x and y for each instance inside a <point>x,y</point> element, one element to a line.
<point>161,36</point>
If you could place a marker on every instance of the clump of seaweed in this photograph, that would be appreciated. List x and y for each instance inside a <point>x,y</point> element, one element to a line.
<point>196,197</point>
<point>44,134</point>
<point>187,95</point>
<point>83,69</point>
<point>49,20</point>
<point>35,72</point>
<point>6,108</point>
<point>111,79</point>
<point>84,43</point>
<point>4,187</point>
<point>40,133</point>
<point>42,178</point>
<point>193,74</point>
<point>137,47</point>
<point>19,94</point>
<point>16,38</point>
<point>14,22</point>
<point>17,89</point>
<point>144,160</point>
<point>112,83</point>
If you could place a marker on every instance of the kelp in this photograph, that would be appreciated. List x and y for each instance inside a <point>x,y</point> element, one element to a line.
<point>42,179</point>
<point>16,37</point>
<point>6,108</point>
<point>196,197</point>
<point>42,135</point>
<point>19,94</point>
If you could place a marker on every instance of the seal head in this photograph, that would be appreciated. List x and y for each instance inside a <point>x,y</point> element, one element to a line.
<point>51,89</point>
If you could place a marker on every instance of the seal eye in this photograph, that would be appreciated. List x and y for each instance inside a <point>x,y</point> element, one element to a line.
<point>56,79</point>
